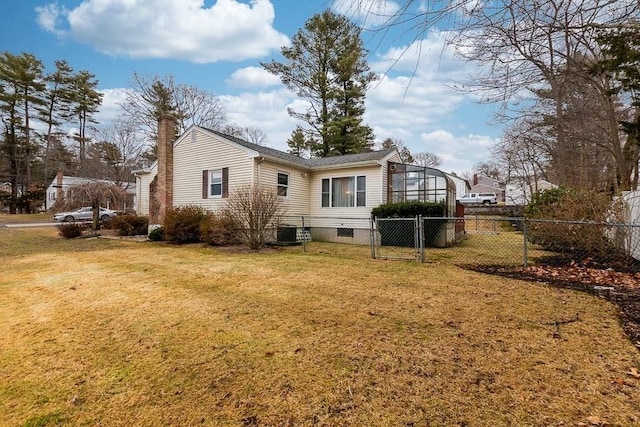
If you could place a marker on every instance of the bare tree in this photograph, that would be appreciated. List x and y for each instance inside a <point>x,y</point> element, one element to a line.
<point>492,169</point>
<point>425,159</point>
<point>152,96</point>
<point>94,194</point>
<point>120,148</point>
<point>522,47</point>
<point>257,210</point>
<point>250,134</point>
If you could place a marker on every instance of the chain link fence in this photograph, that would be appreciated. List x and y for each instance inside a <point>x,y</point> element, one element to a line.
<point>515,241</point>
<point>479,240</point>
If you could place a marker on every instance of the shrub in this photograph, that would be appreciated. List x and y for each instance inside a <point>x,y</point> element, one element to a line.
<point>182,224</point>
<point>71,230</point>
<point>256,210</point>
<point>157,234</point>
<point>409,210</point>
<point>129,225</point>
<point>573,207</point>
<point>220,230</point>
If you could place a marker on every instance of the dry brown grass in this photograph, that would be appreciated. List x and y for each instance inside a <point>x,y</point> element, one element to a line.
<point>25,218</point>
<point>102,332</point>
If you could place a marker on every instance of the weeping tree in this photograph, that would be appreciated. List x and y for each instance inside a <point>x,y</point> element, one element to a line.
<point>95,194</point>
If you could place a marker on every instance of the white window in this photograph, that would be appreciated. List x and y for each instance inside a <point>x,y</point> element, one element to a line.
<point>344,192</point>
<point>283,184</point>
<point>215,183</point>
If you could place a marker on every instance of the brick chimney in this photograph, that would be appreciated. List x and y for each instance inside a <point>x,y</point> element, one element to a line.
<point>164,188</point>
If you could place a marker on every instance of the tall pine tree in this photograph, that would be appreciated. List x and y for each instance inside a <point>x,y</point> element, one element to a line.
<point>326,65</point>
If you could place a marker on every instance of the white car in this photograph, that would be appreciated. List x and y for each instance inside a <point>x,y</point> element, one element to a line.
<point>83,214</point>
<point>479,199</point>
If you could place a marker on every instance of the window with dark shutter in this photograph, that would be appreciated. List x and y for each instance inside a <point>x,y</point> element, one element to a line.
<point>225,182</point>
<point>215,183</point>
<point>205,184</point>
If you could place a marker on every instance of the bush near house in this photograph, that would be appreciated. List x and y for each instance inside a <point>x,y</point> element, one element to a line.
<point>394,233</point>
<point>220,230</point>
<point>157,234</point>
<point>129,225</point>
<point>571,205</point>
<point>71,230</point>
<point>409,210</point>
<point>182,224</point>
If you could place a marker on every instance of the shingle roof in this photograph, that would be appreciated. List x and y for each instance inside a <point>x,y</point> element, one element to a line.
<point>309,163</point>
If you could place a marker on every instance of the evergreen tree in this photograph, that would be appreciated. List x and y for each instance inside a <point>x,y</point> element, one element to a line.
<point>57,107</point>
<point>298,144</point>
<point>20,98</point>
<point>85,101</point>
<point>326,65</point>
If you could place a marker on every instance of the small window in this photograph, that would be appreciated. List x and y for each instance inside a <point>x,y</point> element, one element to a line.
<point>283,184</point>
<point>361,191</point>
<point>345,232</point>
<point>215,183</point>
<point>325,193</point>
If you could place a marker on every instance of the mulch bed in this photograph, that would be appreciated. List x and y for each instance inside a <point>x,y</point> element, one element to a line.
<point>605,280</point>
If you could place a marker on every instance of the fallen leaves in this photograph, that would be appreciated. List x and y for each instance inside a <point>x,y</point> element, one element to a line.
<point>594,276</point>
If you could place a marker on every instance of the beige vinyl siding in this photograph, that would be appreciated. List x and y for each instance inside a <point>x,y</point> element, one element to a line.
<point>373,193</point>
<point>384,177</point>
<point>297,200</point>
<point>142,190</point>
<point>207,152</point>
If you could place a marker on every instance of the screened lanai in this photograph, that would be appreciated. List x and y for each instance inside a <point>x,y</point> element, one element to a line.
<point>422,184</point>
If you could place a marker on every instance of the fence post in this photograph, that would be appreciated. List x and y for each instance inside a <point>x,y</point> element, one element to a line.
<point>524,235</point>
<point>421,237</point>
<point>304,236</point>
<point>373,237</point>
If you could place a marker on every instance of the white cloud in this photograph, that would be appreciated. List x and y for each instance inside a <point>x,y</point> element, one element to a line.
<point>255,77</point>
<point>229,30</point>
<point>266,111</point>
<point>459,152</point>
<point>368,13</point>
<point>49,17</point>
<point>110,109</point>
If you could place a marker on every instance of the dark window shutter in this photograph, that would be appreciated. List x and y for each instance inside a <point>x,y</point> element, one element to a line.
<point>225,182</point>
<point>205,184</point>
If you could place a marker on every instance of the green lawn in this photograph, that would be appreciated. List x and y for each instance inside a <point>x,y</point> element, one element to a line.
<point>104,332</point>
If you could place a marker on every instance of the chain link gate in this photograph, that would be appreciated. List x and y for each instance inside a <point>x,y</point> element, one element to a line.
<point>397,238</point>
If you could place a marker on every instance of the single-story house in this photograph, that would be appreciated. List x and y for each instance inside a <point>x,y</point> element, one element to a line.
<point>61,184</point>
<point>520,192</point>
<point>203,166</point>
<point>486,184</point>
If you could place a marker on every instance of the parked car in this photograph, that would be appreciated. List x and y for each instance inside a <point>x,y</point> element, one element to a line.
<point>84,214</point>
<point>479,199</point>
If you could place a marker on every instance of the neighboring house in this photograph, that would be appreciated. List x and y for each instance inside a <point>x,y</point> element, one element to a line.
<point>485,184</point>
<point>203,166</point>
<point>61,184</point>
<point>144,177</point>
<point>520,192</point>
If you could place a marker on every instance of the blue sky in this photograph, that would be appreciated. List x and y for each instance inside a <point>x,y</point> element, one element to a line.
<point>218,46</point>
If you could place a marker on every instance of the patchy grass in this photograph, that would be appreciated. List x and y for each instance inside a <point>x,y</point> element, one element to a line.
<point>103,332</point>
<point>25,218</point>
